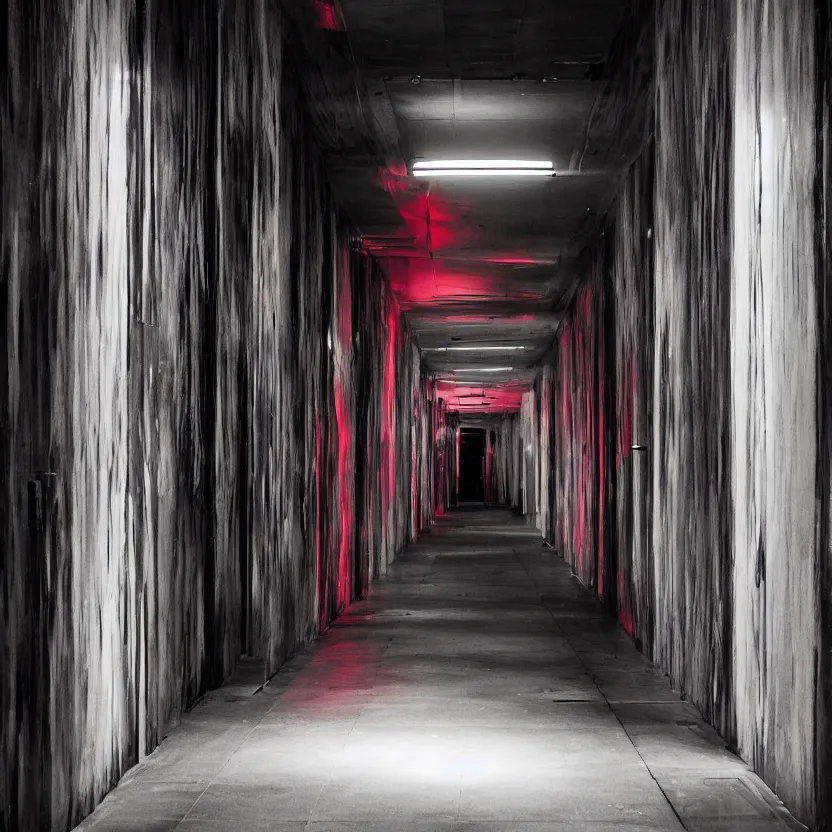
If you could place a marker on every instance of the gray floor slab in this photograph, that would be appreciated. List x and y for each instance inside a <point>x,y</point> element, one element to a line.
<point>478,689</point>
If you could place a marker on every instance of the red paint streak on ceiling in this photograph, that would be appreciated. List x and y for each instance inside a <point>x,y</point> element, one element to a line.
<point>327,16</point>
<point>434,223</point>
<point>428,268</point>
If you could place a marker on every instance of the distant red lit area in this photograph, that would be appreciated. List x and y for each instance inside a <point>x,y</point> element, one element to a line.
<point>497,397</point>
<point>328,17</point>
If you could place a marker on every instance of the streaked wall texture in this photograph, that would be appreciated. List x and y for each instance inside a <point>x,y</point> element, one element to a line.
<point>691,406</point>
<point>691,431</point>
<point>213,433</point>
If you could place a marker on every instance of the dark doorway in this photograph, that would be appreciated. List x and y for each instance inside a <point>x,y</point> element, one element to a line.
<point>472,465</point>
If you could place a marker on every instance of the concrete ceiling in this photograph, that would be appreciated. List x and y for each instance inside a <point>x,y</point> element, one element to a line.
<point>473,262</point>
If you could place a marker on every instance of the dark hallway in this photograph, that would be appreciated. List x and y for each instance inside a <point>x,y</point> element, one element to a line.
<point>478,688</point>
<point>415,414</point>
<point>472,465</point>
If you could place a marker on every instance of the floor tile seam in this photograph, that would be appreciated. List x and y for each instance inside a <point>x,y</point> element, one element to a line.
<point>617,718</point>
<point>324,786</point>
<point>221,769</point>
<point>648,768</point>
<point>213,780</point>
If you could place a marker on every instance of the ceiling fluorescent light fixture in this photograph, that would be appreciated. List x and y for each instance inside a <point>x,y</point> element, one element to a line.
<point>506,164</point>
<point>483,370</point>
<point>483,167</point>
<point>481,172</point>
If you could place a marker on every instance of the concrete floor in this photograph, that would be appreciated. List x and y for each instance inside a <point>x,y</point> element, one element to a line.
<point>479,689</point>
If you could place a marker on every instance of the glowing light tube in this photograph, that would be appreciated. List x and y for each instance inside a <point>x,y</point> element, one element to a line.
<point>490,164</point>
<point>483,370</point>
<point>470,349</point>
<point>483,172</point>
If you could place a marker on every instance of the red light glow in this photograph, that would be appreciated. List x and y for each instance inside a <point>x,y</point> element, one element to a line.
<point>424,282</point>
<point>493,396</point>
<point>327,14</point>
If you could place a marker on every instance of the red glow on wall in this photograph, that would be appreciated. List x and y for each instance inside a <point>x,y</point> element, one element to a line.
<point>415,519</point>
<point>343,420</point>
<point>580,531</point>
<point>388,415</point>
<point>322,590</point>
<point>624,616</point>
<point>327,14</point>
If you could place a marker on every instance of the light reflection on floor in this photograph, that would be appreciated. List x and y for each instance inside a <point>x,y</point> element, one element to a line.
<point>453,699</point>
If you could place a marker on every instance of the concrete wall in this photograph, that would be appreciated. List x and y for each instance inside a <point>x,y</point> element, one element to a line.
<point>692,381</point>
<point>630,340</point>
<point>213,433</point>
<point>578,427</point>
<point>691,431</point>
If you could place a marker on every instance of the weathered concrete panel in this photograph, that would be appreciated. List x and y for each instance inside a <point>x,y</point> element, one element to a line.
<point>630,247</point>
<point>579,495</point>
<point>691,393</point>
<point>774,344</point>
